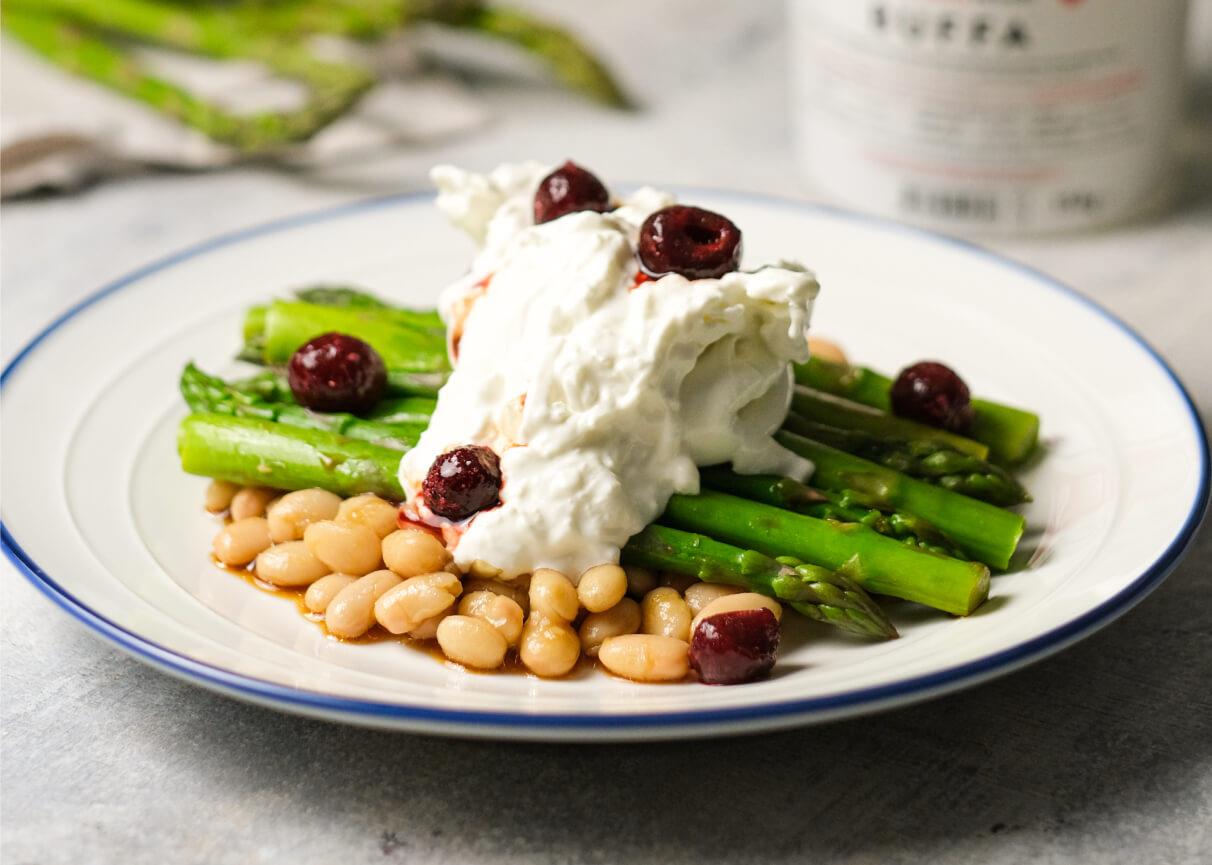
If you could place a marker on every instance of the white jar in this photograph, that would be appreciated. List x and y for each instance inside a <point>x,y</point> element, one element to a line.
<point>989,116</point>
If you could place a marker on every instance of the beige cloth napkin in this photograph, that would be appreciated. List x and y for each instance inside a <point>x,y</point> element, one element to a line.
<point>58,131</point>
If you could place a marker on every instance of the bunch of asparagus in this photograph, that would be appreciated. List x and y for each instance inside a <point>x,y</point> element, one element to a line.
<point>95,38</point>
<point>895,508</point>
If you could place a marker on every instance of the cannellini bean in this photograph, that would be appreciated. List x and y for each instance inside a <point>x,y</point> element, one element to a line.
<point>739,601</point>
<point>251,502</point>
<point>640,581</point>
<point>500,611</point>
<point>239,542</point>
<point>826,349</point>
<point>322,591</point>
<point>665,613</point>
<point>345,549</point>
<point>290,564</point>
<point>416,599</point>
<point>701,594</point>
<point>678,582</point>
<point>623,618</point>
<point>371,511</point>
<point>519,592</point>
<point>352,612</point>
<point>428,629</point>
<point>219,495</point>
<point>484,570</point>
<point>472,642</point>
<point>411,552</point>
<point>549,647</point>
<point>290,515</point>
<point>601,587</point>
<point>646,657</point>
<point>553,594</point>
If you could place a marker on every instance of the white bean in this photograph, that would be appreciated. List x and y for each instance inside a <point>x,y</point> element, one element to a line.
<point>352,612</point>
<point>407,605</point>
<point>646,657</point>
<point>472,642</point>
<point>411,552</point>
<point>251,502</point>
<point>740,601</point>
<point>294,512</point>
<point>322,591</point>
<point>239,542</point>
<point>345,549</point>
<point>553,594</point>
<point>826,349</point>
<point>428,629</point>
<point>665,614</point>
<point>601,587</point>
<point>623,618</point>
<point>701,594</point>
<point>371,511</point>
<point>500,611</point>
<point>290,564</point>
<point>549,647</point>
<point>640,581</point>
<point>518,591</point>
<point>219,495</point>
<point>678,582</point>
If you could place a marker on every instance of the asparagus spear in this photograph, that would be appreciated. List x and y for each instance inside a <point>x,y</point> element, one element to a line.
<point>209,394</point>
<point>1010,433</point>
<point>816,592</point>
<point>257,451</point>
<point>88,37</point>
<point>983,531</point>
<point>404,345</point>
<point>929,461</point>
<point>564,55</point>
<point>92,38</point>
<point>846,506</point>
<point>822,407</point>
<point>271,385</point>
<point>877,563</point>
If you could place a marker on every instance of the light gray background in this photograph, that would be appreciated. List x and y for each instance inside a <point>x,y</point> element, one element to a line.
<point>1103,754</point>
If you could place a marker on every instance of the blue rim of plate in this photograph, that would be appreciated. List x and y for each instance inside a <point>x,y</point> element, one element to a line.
<point>465,722</point>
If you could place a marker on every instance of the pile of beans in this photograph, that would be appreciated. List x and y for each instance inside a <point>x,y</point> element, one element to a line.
<point>360,569</point>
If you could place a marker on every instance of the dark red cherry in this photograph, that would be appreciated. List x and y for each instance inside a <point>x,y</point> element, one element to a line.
<point>337,372</point>
<point>568,189</point>
<point>735,647</point>
<point>696,243</point>
<point>933,394</point>
<point>463,481</point>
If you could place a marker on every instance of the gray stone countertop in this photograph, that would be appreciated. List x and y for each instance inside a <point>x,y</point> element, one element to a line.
<point>1102,754</point>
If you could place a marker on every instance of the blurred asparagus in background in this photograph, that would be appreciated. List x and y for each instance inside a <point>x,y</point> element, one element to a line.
<point>96,39</point>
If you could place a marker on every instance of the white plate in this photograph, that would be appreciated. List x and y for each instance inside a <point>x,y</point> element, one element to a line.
<point>100,518</point>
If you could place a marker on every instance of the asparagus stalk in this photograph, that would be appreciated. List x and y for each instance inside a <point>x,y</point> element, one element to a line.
<point>932,462</point>
<point>272,385</point>
<point>818,593</point>
<point>847,506</point>
<point>879,564</point>
<point>209,394</point>
<point>87,37</point>
<point>825,408</point>
<point>1010,433</point>
<point>983,531</point>
<point>265,453</point>
<point>567,58</point>
<point>257,451</point>
<point>91,38</point>
<point>404,346</point>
